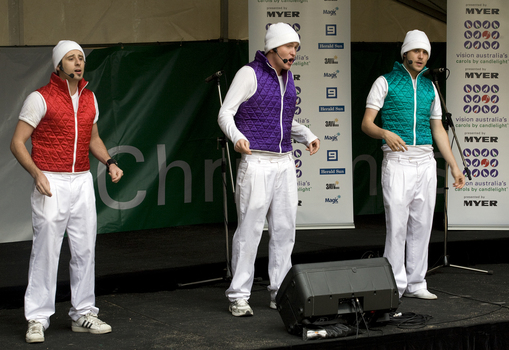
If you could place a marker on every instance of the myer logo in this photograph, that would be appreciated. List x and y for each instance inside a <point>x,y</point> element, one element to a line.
<point>484,11</point>
<point>485,139</point>
<point>483,203</point>
<point>283,14</point>
<point>485,75</point>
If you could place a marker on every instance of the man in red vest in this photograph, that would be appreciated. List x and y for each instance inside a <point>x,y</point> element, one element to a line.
<point>61,121</point>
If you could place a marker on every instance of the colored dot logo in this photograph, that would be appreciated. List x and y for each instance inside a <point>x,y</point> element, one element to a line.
<point>482,165</point>
<point>481,101</point>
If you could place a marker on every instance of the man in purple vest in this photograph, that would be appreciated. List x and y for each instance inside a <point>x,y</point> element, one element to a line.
<point>257,116</point>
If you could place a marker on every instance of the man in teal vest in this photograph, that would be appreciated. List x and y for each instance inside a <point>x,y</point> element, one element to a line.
<point>411,119</point>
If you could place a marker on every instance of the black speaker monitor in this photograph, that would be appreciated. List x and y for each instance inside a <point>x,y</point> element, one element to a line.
<point>316,291</point>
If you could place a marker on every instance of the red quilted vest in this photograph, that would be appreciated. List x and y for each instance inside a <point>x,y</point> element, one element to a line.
<point>61,141</point>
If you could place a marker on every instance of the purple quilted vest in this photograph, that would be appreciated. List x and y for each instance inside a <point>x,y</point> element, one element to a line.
<point>260,118</point>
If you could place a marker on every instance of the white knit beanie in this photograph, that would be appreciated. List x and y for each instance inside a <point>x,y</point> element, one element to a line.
<point>415,39</point>
<point>62,48</point>
<point>279,34</point>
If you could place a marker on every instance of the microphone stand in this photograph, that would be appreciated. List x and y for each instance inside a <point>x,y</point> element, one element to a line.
<point>225,153</point>
<point>449,123</point>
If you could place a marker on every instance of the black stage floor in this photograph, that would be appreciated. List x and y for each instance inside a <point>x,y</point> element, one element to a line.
<point>145,290</point>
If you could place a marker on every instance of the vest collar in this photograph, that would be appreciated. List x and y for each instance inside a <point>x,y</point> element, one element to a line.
<point>63,84</point>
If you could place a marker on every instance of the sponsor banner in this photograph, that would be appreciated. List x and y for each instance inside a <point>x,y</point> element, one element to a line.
<point>477,97</point>
<point>322,80</point>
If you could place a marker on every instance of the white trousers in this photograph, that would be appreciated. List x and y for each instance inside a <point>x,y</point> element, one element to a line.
<point>409,190</point>
<point>71,209</point>
<point>266,189</point>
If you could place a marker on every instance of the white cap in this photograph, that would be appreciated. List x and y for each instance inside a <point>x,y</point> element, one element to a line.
<point>62,48</point>
<point>415,39</point>
<point>279,34</point>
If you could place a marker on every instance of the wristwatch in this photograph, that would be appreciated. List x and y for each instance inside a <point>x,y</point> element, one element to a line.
<point>111,161</point>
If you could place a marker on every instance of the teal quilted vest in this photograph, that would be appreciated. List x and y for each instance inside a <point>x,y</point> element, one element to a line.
<point>399,112</point>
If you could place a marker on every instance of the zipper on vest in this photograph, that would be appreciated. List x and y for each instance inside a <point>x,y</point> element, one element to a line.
<point>414,86</point>
<point>283,92</point>
<point>75,139</point>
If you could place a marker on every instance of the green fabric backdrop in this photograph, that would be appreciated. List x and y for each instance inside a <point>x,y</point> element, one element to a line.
<point>154,98</point>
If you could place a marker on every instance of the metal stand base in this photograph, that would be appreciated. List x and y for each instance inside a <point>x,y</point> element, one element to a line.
<point>446,264</point>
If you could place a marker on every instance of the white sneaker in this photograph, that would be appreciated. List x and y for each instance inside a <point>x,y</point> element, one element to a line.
<point>240,307</point>
<point>35,332</point>
<point>421,294</point>
<point>273,305</point>
<point>90,323</point>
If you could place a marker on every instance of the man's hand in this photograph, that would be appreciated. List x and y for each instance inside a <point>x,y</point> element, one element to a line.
<point>395,142</point>
<point>313,147</point>
<point>242,146</point>
<point>42,184</point>
<point>115,172</point>
<point>459,178</point>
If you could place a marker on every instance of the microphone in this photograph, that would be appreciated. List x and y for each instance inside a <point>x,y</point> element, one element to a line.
<point>282,59</point>
<point>69,75</point>
<point>214,76</point>
<point>433,71</point>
